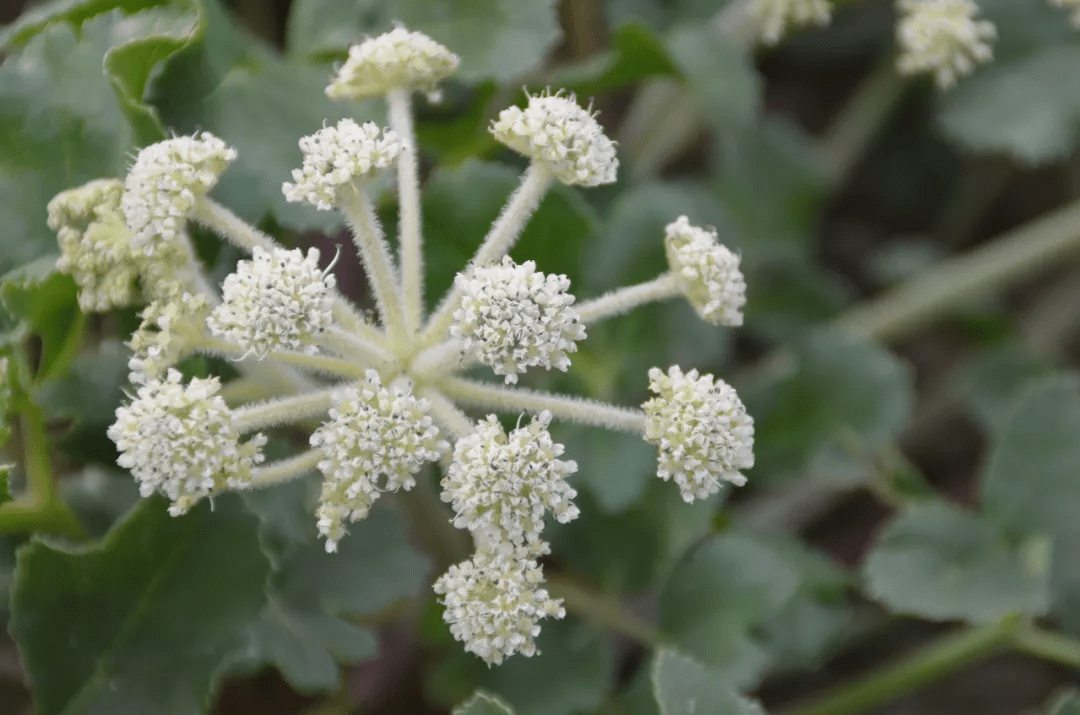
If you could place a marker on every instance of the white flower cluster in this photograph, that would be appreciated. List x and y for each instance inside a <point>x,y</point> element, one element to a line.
<point>774,17</point>
<point>556,132</point>
<point>494,601</point>
<point>336,158</point>
<point>707,273</point>
<point>500,486</point>
<point>398,59</point>
<point>278,300</point>
<point>1071,6</point>
<point>376,439</point>
<point>180,440</point>
<point>512,317</point>
<point>166,182</point>
<point>942,37</point>
<point>170,326</point>
<point>702,430</point>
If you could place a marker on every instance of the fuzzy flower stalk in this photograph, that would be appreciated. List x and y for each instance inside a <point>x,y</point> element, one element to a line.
<point>384,401</point>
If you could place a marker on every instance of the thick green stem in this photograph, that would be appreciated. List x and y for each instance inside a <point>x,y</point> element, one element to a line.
<point>912,671</point>
<point>409,233</point>
<point>369,240</point>
<point>1045,645</point>
<point>603,611</point>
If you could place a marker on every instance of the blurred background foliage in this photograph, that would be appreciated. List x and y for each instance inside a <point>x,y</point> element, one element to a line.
<point>912,320</point>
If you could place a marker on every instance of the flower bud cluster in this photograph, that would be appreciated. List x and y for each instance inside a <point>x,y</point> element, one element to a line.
<point>170,328</point>
<point>337,158</point>
<point>553,130</point>
<point>179,440</point>
<point>513,317</point>
<point>707,273</point>
<point>398,59</point>
<point>943,38</point>
<point>702,430</point>
<point>376,439</point>
<point>277,300</point>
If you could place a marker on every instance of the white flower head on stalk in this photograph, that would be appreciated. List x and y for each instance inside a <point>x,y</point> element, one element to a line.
<point>277,300</point>
<point>398,59</point>
<point>701,429</point>
<point>169,329</point>
<point>179,440</point>
<point>1072,6</point>
<point>706,272</point>
<point>165,183</point>
<point>376,439</point>
<point>494,601</point>
<point>774,17</point>
<point>555,131</point>
<point>501,486</point>
<point>512,317</point>
<point>340,157</point>
<point>943,38</point>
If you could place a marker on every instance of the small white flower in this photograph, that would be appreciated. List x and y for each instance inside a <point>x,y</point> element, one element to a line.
<point>339,157</point>
<point>501,486</point>
<point>166,181</point>
<point>398,59</point>
<point>942,37</point>
<point>278,300</point>
<point>170,326</point>
<point>774,17</point>
<point>513,317</point>
<point>707,273</point>
<point>375,440</point>
<point>702,430</point>
<point>555,131</point>
<point>1071,6</point>
<point>180,440</point>
<point>494,601</point>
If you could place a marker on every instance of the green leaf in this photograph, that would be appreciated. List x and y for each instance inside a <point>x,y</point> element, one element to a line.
<point>5,484</point>
<point>719,72</point>
<point>716,598</point>
<point>74,12</point>
<point>144,621</point>
<point>44,302</point>
<point>304,631</point>
<point>1029,109</point>
<point>228,83</point>
<point>991,384</point>
<point>938,562</point>
<point>1066,703</point>
<point>827,408</point>
<point>636,52</point>
<point>683,686</point>
<point>483,704</point>
<point>496,39</point>
<point>89,393</point>
<point>614,466</point>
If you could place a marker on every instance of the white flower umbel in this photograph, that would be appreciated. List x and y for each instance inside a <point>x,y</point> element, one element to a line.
<point>494,601</point>
<point>339,157</point>
<point>166,183</point>
<point>501,485</point>
<point>775,17</point>
<point>943,38</point>
<point>701,429</point>
<point>376,439</point>
<point>278,300</point>
<point>1071,6</point>
<point>398,59</point>
<point>706,272</point>
<point>557,132</point>
<point>170,329</point>
<point>512,317</point>
<point>179,440</point>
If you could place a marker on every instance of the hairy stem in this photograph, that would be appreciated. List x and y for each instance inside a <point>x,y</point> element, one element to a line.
<point>350,345</point>
<point>231,227</point>
<point>409,232</point>
<point>440,359</point>
<point>315,363</point>
<point>285,470</point>
<point>285,410</point>
<point>623,300</point>
<point>573,409</point>
<point>369,240</point>
<point>447,414</point>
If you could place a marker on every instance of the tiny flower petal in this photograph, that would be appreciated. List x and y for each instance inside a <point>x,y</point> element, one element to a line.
<point>513,317</point>
<point>398,59</point>
<point>338,157</point>
<point>501,486</point>
<point>707,273</point>
<point>702,430</point>
<point>494,601</point>
<point>942,37</point>
<point>169,328</point>
<point>774,17</point>
<point>165,183</point>
<point>555,131</point>
<point>179,440</point>
<point>277,300</point>
<point>375,440</point>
